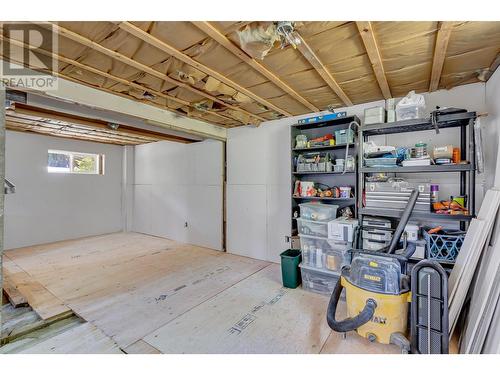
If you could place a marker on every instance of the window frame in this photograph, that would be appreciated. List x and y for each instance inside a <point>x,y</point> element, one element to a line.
<point>99,160</point>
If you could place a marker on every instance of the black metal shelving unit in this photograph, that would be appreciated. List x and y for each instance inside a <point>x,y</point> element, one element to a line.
<point>465,124</point>
<point>328,178</point>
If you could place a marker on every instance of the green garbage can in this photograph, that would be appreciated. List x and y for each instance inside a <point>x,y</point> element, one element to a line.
<point>290,270</point>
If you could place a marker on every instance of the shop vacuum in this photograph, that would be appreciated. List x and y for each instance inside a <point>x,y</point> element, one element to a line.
<point>379,291</point>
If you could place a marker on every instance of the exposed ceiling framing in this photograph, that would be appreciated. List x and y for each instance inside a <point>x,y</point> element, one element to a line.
<point>315,61</point>
<point>22,117</point>
<point>220,38</point>
<point>144,68</point>
<point>148,38</point>
<point>201,70</point>
<point>366,32</point>
<point>442,39</point>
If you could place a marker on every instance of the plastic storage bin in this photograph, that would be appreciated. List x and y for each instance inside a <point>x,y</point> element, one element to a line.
<point>315,167</point>
<point>374,115</point>
<point>290,271</point>
<point>374,245</point>
<point>324,253</point>
<point>375,162</point>
<point>318,211</point>
<point>344,135</point>
<point>312,227</point>
<point>444,247</point>
<point>328,245</point>
<point>318,281</point>
<point>410,112</point>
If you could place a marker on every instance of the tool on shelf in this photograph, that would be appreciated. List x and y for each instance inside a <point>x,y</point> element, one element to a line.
<point>463,162</point>
<point>321,170</point>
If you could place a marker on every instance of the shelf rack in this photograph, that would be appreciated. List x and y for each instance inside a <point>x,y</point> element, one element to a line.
<point>465,123</point>
<point>328,178</point>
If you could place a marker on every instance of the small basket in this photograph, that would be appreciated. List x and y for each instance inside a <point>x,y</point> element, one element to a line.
<point>444,247</point>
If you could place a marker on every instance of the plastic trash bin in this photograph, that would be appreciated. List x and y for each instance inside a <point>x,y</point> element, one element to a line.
<point>290,271</point>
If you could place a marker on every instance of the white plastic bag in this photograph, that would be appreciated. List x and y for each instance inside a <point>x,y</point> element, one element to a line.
<point>412,99</point>
<point>410,107</point>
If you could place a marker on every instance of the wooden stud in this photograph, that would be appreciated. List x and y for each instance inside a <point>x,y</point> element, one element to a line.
<point>314,60</point>
<point>442,39</point>
<point>220,38</point>
<point>144,68</point>
<point>113,78</point>
<point>150,39</point>
<point>366,31</point>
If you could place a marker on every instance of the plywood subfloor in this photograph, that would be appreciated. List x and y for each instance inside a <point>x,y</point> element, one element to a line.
<point>68,336</point>
<point>46,304</point>
<point>258,315</point>
<point>129,284</point>
<point>152,295</point>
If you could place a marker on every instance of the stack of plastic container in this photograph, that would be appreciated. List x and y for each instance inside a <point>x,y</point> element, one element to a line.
<point>322,258</point>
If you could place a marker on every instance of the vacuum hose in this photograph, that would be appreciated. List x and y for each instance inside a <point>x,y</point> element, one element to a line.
<point>404,220</point>
<point>349,324</point>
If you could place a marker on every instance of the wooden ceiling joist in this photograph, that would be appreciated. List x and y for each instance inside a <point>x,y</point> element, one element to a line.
<point>220,38</point>
<point>41,129</point>
<point>366,31</point>
<point>108,76</point>
<point>92,124</point>
<point>141,67</point>
<point>163,46</point>
<point>442,39</point>
<point>316,63</point>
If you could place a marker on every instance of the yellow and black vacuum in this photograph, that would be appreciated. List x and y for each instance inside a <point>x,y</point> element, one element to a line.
<point>378,293</point>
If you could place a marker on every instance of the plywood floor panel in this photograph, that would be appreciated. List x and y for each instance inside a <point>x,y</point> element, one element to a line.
<point>257,315</point>
<point>46,304</point>
<point>153,295</point>
<point>129,284</point>
<point>141,347</point>
<point>82,339</point>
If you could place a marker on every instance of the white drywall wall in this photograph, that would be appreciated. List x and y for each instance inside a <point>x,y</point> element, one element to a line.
<point>176,184</point>
<point>50,207</point>
<point>259,169</point>
<point>491,135</point>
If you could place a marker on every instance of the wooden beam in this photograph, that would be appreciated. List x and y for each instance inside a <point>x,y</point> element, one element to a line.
<point>220,38</point>
<point>79,92</point>
<point>144,68</point>
<point>442,39</point>
<point>22,127</point>
<point>111,77</point>
<point>366,31</point>
<point>126,130</point>
<point>161,45</point>
<point>314,60</point>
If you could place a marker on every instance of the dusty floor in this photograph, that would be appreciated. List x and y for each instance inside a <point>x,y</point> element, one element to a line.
<point>142,294</point>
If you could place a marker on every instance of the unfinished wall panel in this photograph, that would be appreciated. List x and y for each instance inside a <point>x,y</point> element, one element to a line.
<point>50,207</point>
<point>179,192</point>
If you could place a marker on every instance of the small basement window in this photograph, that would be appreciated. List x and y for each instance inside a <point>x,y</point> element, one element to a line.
<point>75,162</point>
